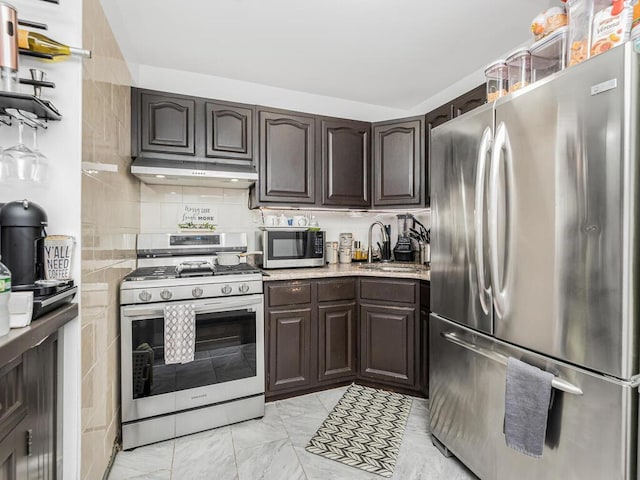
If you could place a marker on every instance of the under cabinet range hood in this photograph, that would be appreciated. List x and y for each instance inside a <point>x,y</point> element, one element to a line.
<point>198,174</point>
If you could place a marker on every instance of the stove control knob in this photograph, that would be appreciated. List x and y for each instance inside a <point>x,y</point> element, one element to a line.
<point>227,289</point>
<point>244,288</point>
<point>166,294</point>
<point>197,292</point>
<point>145,295</point>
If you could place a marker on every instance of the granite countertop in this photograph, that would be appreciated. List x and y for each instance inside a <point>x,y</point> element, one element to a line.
<point>404,270</point>
<point>19,340</point>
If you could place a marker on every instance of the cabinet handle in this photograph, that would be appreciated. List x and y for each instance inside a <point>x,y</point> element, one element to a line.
<point>29,442</point>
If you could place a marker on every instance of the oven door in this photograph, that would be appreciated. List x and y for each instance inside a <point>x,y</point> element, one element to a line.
<point>228,364</point>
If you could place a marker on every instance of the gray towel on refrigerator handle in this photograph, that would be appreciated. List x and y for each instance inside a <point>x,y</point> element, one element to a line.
<point>179,333</point>
<point>526,409</point>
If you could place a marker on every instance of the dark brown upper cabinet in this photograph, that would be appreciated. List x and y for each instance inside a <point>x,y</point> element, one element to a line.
<point>167,124</point>
<point>470,100</point>
<point>398,159</point>
<point>345,163</point>
<point>229,132</point>
<point>287,158</point>
<point>439,116</point>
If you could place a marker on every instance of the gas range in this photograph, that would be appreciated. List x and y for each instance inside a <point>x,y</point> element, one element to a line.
<point>183,267</point>
<point>224,382</point>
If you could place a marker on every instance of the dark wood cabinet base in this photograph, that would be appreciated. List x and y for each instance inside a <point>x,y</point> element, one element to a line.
<point>274,397</point>
<point>326,333</point>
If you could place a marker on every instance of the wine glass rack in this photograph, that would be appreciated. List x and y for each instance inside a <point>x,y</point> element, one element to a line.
<point>31,110</point>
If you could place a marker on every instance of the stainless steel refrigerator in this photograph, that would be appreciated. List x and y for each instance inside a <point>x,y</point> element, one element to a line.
<point>536,224</point>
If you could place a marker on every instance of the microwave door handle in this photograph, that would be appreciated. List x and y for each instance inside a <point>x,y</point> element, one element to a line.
<point>209,307</point>
<point>484,291</point>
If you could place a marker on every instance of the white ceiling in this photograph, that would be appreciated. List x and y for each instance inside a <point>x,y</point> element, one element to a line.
<point>392,53</point>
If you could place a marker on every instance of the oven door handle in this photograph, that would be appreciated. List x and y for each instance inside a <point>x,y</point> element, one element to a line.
<point>242,303</point>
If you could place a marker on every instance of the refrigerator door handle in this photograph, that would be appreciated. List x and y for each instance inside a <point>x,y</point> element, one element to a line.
<point>557,383</point>
<point>484,291</point>
<point>499,286</point>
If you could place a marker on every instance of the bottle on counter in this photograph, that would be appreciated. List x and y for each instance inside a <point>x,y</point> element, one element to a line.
<point>5,293</point>
<point>38,43</point>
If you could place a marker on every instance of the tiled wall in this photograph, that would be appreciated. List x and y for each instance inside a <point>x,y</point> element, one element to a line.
<point>161,204</point>
<point>110,220</point>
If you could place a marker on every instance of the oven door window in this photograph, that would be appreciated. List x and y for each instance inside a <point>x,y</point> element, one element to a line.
<point>225,351</point>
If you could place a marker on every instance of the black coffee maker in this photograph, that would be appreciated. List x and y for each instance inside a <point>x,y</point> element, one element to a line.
<point>22,233</point>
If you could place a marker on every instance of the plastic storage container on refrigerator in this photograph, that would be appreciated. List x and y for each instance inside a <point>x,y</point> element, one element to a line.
<point>497,80</point>
<point>519,67</point>
<point>549,55</point>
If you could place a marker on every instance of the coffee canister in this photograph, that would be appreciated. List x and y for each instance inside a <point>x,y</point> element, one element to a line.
<point>58,254</point>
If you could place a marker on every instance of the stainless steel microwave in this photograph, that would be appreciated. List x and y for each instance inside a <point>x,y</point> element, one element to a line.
<point>287,249</point>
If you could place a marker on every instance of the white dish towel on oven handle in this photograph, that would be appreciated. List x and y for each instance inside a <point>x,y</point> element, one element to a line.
<point>179,333</point>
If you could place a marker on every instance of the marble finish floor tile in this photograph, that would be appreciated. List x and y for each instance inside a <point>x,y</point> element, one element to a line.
<point>270,461</point>
<point>329,398</point>
<point>272,448</point>
<point>256,432</point>
<point>144,460</point>
<point>207,454</point>
<point>309,405</point>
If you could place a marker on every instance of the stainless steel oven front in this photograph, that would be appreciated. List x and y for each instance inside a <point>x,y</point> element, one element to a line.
<point>228,364</point>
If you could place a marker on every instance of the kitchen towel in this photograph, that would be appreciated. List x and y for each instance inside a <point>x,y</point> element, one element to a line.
<point>179,333</point>
<point>526,409</point>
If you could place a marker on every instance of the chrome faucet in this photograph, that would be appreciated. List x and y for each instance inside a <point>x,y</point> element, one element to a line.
<point>385,240</point>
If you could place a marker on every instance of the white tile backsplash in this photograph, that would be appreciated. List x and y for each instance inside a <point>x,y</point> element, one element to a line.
<point>161,203</point>
<point>160,193</point>
<point>202,195</point>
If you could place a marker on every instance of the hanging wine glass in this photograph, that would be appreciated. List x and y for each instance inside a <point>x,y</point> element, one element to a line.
<point>40,171</point>
<point>19,159</point>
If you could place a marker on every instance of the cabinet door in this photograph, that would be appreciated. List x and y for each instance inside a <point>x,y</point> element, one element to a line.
<point>434,118</point>
<point>289,349</point>
<point>398,150</point>
<point>440,115</point>
<point>470,100</point>
<point>229,131</point>
<point>42,364</point>
<point>167,124</point>
<point>336,340</point>
<point>387,343</point>
<point>345,163</point>
<point>14,453</point>
<point>286,158</point>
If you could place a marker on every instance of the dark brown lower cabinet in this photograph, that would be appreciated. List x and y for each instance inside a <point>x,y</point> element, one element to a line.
<point>337,341</point>
<point>14,460</point>
<point>332,331</point>
<point>387,343</point>
<point>425,294</point>
<point>28,414</point>
<point>289,349</point>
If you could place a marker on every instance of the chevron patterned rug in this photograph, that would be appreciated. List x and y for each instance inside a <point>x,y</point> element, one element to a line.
<point>364,430</point>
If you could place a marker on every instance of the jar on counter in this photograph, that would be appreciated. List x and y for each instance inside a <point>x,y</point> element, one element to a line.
<point>519,66</point>
<point>332,252</point>
<point>497,80</point>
